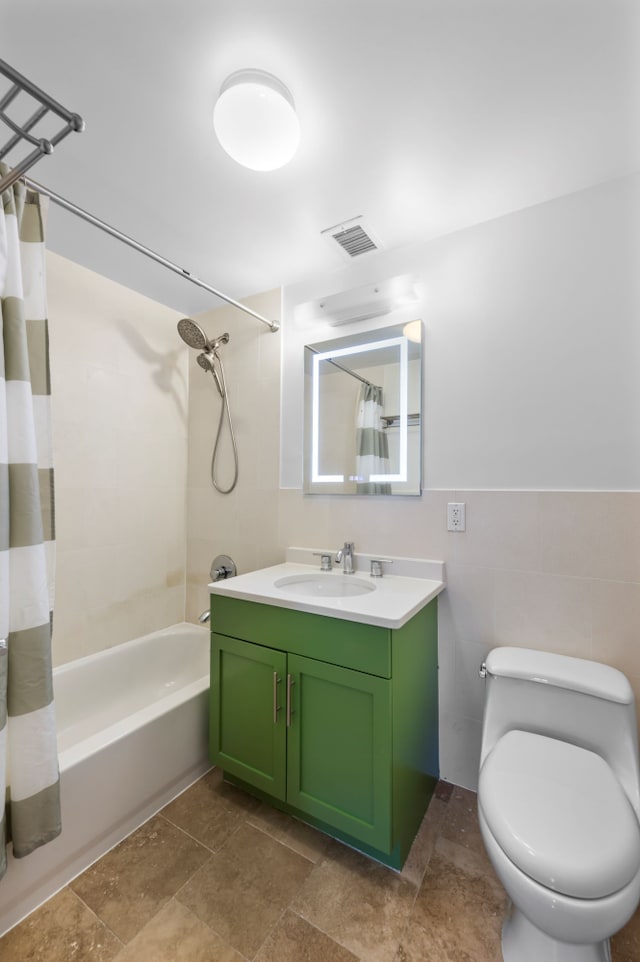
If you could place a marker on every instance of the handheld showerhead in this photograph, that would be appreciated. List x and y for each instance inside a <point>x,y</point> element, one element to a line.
<point>192,334</point>
<point>206,360</point>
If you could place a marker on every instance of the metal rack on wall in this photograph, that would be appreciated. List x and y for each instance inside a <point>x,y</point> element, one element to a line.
<point>23,96</point>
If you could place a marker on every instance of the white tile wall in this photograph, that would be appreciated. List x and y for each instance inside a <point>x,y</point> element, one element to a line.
<point>119,386</point>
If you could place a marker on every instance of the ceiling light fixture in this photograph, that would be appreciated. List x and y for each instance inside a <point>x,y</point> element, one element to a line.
<point>255,120</point>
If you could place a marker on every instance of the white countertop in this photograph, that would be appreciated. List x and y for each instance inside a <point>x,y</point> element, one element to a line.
<point>394,601</point>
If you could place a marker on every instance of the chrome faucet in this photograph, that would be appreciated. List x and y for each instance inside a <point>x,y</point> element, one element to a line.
<point>345,555</point>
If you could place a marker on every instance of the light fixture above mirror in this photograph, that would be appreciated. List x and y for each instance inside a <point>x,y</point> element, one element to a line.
<point>360,303</point>
<point>255,120</point>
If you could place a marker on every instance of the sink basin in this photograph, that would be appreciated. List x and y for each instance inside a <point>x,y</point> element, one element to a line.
<point>324,586</point>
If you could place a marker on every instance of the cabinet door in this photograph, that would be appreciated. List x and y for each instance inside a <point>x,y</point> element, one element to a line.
<point>339,749</point>
<point>247,721</point>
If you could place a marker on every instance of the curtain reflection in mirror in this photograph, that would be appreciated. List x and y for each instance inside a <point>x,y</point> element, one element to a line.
<point>372,448</point>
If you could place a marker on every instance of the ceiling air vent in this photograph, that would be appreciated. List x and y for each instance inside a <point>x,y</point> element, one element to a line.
<point>353,238</point>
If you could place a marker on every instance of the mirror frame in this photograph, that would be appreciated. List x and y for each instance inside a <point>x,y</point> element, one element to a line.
<point>313,480</point>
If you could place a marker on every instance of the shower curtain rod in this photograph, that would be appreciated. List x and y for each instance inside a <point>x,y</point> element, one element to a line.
<point>114,232</point>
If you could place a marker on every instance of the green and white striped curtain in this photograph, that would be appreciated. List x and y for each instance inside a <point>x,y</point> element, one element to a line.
<point>372,446</point>
<point>29,778</point>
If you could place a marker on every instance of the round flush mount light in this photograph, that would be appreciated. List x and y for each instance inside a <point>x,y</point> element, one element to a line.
<point>255,120</point>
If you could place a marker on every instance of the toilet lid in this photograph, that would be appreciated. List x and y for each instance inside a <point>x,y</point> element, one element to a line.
<point>559,813</point>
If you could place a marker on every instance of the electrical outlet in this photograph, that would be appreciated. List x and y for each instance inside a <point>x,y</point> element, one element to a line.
<point>456,516</point>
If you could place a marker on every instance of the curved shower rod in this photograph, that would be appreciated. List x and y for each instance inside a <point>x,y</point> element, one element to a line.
<point>158,258</point>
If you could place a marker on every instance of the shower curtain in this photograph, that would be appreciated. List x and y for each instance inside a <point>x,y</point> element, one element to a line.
<point>372,447</point>
<point>29,779</point>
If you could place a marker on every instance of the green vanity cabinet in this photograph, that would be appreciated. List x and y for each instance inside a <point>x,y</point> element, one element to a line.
<point>330,720</point>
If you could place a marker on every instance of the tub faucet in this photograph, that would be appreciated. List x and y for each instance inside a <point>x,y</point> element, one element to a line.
<point>345,555</point>
<point>204,617</point>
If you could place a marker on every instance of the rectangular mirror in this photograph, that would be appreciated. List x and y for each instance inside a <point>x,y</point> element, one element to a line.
<point>363,409</point>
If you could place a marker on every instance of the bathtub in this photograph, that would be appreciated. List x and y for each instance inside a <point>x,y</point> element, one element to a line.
<point>132,734</point>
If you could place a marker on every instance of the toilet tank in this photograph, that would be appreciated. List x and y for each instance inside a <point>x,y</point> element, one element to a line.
<point>578,701</point>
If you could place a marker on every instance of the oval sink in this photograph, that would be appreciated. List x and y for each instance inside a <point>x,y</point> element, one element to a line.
<point>324,586</point>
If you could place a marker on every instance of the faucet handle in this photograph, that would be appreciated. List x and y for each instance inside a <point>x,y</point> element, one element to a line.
<point>222,567</point>
<point>325,560</point>
<point>376,566</point>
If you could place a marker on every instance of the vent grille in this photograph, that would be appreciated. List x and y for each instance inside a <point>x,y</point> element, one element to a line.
<point>355,241</point>
<point>353,238</point>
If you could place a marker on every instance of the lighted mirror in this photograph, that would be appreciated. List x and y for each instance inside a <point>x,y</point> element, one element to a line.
<point>363,413</point>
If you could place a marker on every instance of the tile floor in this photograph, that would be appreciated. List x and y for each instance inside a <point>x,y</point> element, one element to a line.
<point>217,876</point>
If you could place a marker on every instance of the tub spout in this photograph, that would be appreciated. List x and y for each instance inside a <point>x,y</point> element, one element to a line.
<point>204,617</point>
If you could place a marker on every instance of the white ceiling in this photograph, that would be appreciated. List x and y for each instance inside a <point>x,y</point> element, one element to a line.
<point>425,116</point>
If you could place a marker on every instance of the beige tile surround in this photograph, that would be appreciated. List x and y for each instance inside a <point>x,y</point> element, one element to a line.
<point>119,398</point>
<point>558,571</point>
<point>244,523</point>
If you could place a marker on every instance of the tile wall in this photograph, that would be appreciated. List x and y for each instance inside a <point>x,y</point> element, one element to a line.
<point>554,571</point>
<point>244,523</point>
<point>119,394</point>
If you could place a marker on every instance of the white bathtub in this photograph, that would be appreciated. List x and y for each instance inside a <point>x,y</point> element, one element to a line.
<point>132,734</point>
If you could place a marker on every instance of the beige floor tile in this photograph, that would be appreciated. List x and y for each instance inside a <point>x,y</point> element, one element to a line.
<point>258,863</point>
<point>444,791</point>
<point>176,935</point>
<point>220,897</point>
<point>243,890</point>
<point>460,823</point>
<point>424,843</point>
<point>273,869</point>
<point>441,944</point>
<point>131,883</point>
<point>361,904</point>
<point>458,914</point>
<point>60,930</point>
<point>302,838</point>
<point>295,940</point>
<point>210,810</point>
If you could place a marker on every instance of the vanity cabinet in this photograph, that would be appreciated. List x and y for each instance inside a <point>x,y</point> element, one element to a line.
<point>332,720</point>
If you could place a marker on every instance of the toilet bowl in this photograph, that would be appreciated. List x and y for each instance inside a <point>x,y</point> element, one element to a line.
<point>545,926</point>
<point>556,818</point>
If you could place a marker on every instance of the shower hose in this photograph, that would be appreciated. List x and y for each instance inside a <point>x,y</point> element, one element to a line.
<point>224,410</point>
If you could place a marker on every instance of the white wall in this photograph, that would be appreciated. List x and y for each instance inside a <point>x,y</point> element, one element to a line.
<point>532,346</point>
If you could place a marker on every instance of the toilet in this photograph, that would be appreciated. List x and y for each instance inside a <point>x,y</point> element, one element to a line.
<point>559,802</point>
